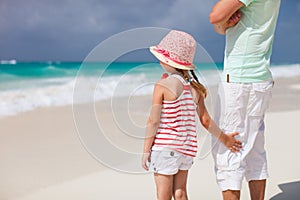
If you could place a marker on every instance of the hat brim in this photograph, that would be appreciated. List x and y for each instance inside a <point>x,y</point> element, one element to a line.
<point>168,61</point>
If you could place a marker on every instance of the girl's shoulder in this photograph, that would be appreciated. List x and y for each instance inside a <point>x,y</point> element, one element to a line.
<point>170,87</point>
<point>169,80</point>
<point>171,84</point>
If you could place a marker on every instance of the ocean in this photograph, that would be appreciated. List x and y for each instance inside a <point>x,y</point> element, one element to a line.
<point>25,86</point>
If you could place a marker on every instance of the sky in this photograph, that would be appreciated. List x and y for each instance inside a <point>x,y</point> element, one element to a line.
<point>67,30</point>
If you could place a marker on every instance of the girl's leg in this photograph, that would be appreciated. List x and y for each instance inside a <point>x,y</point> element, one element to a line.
<point>179,185</point>
<point>164,185</point>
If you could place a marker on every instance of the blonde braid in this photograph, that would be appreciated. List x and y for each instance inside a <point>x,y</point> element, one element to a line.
<point>197,85</point>
<point>193,81</point>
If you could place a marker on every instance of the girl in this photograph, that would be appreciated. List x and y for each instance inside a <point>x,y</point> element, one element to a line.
<point>170,143</point>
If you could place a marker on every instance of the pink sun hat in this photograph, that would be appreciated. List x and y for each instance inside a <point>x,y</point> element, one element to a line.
<point>176,49</point>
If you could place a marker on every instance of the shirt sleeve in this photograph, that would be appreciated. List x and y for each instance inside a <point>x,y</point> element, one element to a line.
<point>246,2</point>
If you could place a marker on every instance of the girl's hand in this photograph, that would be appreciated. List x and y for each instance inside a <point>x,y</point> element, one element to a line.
<point>145,159</point>
<point>230,142</point>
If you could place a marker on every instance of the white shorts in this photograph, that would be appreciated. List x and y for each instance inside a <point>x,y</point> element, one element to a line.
<point>241,108</point>
<point>169,162</point>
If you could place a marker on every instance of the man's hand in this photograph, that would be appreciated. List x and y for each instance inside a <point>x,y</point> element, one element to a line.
<point>234,19</point>
<point>225,14</point>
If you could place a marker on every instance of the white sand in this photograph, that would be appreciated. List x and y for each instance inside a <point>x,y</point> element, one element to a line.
<point>282,145</point>
<point>43,159</point>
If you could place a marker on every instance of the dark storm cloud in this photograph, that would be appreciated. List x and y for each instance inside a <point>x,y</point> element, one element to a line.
<point>69,29</point>
<point>36,29</point>
<point>78,16</point>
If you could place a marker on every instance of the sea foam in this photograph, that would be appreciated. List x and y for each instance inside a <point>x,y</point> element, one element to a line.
<point>59,92</point>
<point>25,94</point>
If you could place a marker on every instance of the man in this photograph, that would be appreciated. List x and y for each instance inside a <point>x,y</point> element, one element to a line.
<point>245,91</point>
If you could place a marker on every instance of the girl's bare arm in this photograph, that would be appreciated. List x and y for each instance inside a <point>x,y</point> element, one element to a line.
<point>227,139</point>
<point>153,123</point>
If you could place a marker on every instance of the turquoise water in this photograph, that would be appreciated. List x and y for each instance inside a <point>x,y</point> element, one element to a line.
<point>68,69</point>
<point>28,85</point>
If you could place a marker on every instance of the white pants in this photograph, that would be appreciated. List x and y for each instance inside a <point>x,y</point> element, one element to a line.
<point>241,107</point>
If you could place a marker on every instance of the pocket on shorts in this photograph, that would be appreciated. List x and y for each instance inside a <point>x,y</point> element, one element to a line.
<point>163,161</point>
<point>156,161</point>
<point>222,157</point>
<point>260,98</point>
<point>231,99</point>
<point>226,160</point>
<point>230,90</point>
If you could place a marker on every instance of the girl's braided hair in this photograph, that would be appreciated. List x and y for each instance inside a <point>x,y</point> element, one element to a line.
<point>194,81</point>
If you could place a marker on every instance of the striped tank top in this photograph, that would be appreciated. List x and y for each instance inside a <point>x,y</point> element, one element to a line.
<point>177,129</point>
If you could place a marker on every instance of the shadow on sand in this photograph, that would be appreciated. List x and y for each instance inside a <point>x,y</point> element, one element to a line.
<point>290,191</point>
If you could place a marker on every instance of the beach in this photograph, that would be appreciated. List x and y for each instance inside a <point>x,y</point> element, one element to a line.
<point>43,156</point>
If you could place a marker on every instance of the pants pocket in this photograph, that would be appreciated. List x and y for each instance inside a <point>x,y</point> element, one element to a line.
<point>226,160</point>
<point>232,107</point>
<point>221,157</point>
<point>260,97</point>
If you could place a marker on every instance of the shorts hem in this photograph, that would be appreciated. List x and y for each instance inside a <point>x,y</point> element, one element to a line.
<point>166,173</point>
<point>185,169</point>
<point>170,173</point>
<point>257,177</point>
<point>224,186</point>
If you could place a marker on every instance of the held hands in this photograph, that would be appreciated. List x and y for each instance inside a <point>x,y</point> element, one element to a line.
<point>145,159</point>
<point>230,142</point>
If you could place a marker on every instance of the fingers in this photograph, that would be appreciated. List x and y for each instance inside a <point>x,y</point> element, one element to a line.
<point>146,158</point>
<point>237,143</point>
<point>237,15</point>
<point>234,149</point>
<point>236,146</point>
<point>235,18</point>
<point>144,165</point>
<point>234,134</point>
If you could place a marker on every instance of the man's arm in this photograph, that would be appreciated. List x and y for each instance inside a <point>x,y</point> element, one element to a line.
<point>225,14</point>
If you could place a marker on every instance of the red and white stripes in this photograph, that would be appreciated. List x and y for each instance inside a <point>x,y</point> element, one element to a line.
<point>177,128</point>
